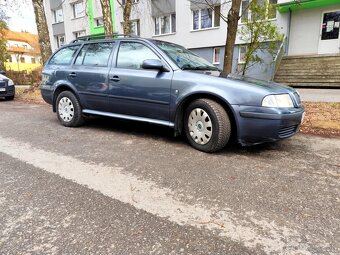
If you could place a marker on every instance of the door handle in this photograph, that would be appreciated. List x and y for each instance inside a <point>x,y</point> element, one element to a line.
<point>72,75</point>
<point>115,78</point>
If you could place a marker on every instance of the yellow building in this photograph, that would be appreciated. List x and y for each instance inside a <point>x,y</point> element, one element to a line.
<point>24,51</point>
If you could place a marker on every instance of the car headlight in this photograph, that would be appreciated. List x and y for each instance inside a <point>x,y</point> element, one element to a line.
<point>10,82</point>
<point>279,101</point>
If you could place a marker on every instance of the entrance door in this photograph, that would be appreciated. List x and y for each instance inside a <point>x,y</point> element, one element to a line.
<point>329,40</point>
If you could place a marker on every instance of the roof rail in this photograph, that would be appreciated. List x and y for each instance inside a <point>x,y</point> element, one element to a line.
<point>101,36</point>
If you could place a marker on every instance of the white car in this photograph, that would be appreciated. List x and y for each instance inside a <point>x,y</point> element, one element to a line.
<point>7,88</point>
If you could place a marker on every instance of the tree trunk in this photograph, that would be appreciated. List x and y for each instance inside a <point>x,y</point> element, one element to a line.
<point>107,16</point>
<point>232,24</point>
<point>44,39</point>
<point>126,17</point>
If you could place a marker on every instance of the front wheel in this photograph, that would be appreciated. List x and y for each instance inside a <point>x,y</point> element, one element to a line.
<point>69,110</point>
<point>207,125</point>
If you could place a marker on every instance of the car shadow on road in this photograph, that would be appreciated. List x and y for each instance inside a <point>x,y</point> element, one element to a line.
<point>158,132</point>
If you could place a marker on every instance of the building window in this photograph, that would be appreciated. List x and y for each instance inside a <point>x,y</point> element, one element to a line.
<point>165,24</point>
<point>78,10</point>
<point>60,40</point>
<point>217,52</point>
<point>79,34</point>
<point>98,22</point>
<point>22,59</point>
<point>272,9</point>
<point>33,60</point>
<point>24,46</point>
<point>246,13</point>
<point>134,27</point>
<point>206,18</point>
<point>242,54</point>
<point>58,16</point>
<point>133,2</point>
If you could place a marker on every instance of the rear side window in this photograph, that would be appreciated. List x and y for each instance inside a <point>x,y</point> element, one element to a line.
<point>95,54</point>
<point>64,56</point>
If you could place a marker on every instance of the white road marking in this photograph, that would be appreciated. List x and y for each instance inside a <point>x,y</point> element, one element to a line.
<point>146,195</point>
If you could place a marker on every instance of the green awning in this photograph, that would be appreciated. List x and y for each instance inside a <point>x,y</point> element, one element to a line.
<point>304,4</point>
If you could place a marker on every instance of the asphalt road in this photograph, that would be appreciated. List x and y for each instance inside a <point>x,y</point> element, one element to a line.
<point>116,187</point>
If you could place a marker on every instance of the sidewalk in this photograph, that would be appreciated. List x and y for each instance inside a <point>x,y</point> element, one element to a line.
<point>319,95</point>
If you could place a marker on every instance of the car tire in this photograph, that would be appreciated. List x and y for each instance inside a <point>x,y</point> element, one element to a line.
<point>207,125</point>
<point>69,111</point>
<point>9,98</point>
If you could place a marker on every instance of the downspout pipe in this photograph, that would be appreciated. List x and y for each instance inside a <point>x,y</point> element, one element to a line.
<point>288,32</point>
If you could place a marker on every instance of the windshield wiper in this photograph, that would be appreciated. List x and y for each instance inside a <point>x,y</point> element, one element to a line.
<point>208,68</point>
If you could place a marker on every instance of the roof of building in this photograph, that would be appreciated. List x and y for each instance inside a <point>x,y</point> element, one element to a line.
<point>26,37</point>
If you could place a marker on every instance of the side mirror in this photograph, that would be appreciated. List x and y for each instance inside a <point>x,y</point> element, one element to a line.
<point>2,72</point>
<point>155,64</point>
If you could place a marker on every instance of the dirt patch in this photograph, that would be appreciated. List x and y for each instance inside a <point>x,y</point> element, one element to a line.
<point>29,95</point>
<point>322,119</point>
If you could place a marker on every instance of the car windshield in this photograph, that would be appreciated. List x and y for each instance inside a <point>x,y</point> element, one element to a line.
<point>185,59</point>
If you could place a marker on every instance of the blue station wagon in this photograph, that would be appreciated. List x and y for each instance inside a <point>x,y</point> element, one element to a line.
<point>164,83</point>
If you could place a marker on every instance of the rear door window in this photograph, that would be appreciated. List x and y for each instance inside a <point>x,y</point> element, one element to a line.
<point>64,56</point>
<point>95,54</point>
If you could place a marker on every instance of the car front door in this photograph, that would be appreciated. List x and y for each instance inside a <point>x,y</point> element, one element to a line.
<point>135,91</point>
<point>89,74</point>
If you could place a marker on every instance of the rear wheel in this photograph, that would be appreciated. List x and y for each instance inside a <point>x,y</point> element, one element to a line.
<point>69,110</point>
<point>207,125</point>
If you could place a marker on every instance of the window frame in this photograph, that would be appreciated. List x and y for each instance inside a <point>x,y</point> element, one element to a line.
<point>74,9</point>
<point>88,45</point>
<point>96,23</point>
<point>200,19</point>
<point>55,16</point>
<point>72,59</point>
<point>250,16</point>
<point>116,55</point>
<point>159,18</point>
<point>77,32</point>
<point>58,40</point>
<point>239,54</point>
<point>214,56</point>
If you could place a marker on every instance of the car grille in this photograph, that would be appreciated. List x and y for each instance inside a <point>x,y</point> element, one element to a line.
<point>287,131</point>
<point>2,84</point>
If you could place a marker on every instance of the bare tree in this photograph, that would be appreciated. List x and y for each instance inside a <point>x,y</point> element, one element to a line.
<point>107,16</point>
<point>232,23</point>
<point>44,39</point>
<point>127,7</point>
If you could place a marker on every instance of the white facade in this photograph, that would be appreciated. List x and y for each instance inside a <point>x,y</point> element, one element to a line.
<point>74,21</point>
<point>305,31</point>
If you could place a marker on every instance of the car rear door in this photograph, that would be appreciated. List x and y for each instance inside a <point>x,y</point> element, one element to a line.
<point>89,74</point>
<point>135,91</point>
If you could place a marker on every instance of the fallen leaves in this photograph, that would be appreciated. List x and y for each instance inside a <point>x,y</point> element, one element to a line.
<point>322,119</point>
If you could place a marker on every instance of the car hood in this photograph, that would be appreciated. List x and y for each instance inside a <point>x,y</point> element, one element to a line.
<point>242,82</point>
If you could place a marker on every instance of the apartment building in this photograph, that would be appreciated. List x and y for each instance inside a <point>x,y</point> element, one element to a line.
<point>70,19</point>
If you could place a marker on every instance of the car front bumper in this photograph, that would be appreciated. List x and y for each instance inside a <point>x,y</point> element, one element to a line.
<point>7,91</point>
<point>260,124</point>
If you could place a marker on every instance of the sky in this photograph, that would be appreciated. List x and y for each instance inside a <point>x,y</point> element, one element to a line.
<point>21,18</point>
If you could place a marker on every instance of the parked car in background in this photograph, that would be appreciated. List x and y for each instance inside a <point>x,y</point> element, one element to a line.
<point>7,88</point>
<point>164,83</point>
